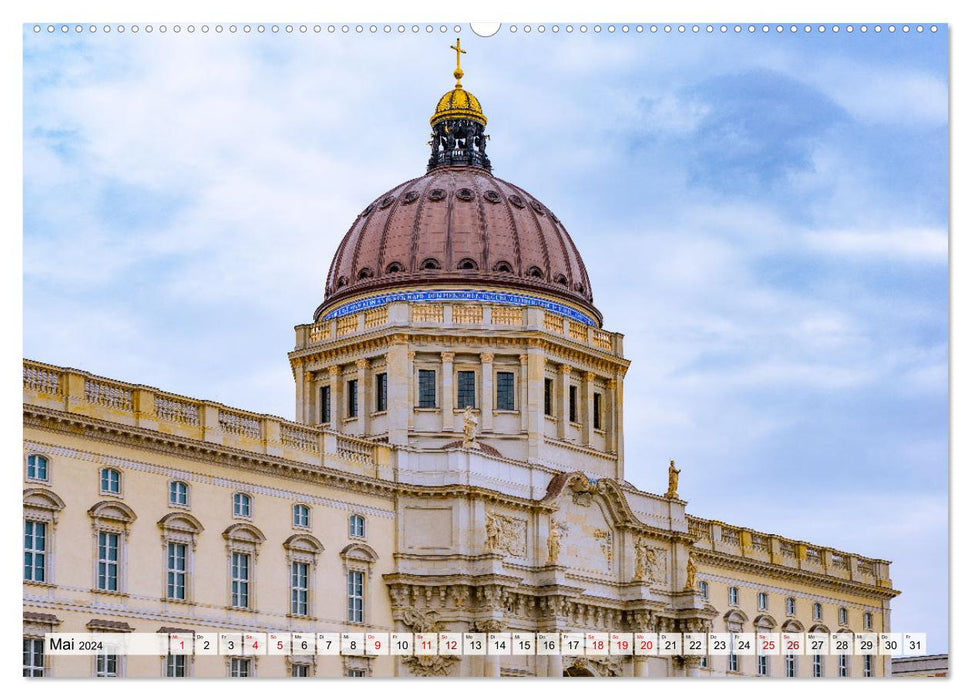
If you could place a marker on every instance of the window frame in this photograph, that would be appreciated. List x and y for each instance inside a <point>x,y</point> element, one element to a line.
<point>381,392</point>
<point>548,397</point>
<point>733,595</point>
<point>103,564</point>
<point>868,665</point>
<point>241,498</point>
<point>28,466</point>
<point>817,611</point>
<point>237,665</point>
<point>843,616</point>
<point>300,605</point>
<point>762,600</point>
<point>172,574</point>
<point>790,663</point>
<point>172,663</point>
<point>105,484</point>
<point>427,382</point>
<point>356,582</point>
<point>817,665</point>
<point>507,392</point>
<point>174,492</point>
<point>33,552</point>
<point>844,667</point>
<point>351,404</point>
<point>300,665</point>
<point>465,383</point>
<point>598,410</point>
<point>573,403</point>
<point>703,589</point>
<point>239,586</point>
<point>868,620</point>
<point>762,665</point>
<point>304,509</point>
<point>30,651</point>
<point>358,533</point>
<point>791,606</point>
<point>101,662</point>
<point>325,412</point>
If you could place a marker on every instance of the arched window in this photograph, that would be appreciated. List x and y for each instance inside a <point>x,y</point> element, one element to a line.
<point>817,611</point>
<point>790,606</point>
<point>178,493</point>
<point>37,468</point>
<point>110,481</point>
<point>561,279</point>
<point>535,272</point>
<point>243,546</point>
<point>365,273</point>
<point>112,520</point>
<point>468,264</point>
<point>431,264</point>
<point>41,508</point>
<point>842,616</point>
<point>242,505</point>
<point>355,526</point>
<point>502,266</point>
<point>180,531</point>
<point>394,268</point>
<point>302,551</point>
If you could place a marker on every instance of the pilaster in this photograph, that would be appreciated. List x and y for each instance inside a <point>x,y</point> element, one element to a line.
<point>486,403</point>
<point>448,395</point>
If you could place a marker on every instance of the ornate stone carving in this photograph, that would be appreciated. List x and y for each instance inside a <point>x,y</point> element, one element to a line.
<point>672,481</point>
<point>583,490</point>
<point>488,626</point>
<point>362,363</point>
<point>606,538</point>
<point>689,582</point>
<point>505,534</point>
<point>421,620</point>
<point>426,621</point>
<point>553,540</point>
<point>487,357</point>
<point>470,427</point>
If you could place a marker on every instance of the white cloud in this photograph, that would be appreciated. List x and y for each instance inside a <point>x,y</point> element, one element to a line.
<point>913,244</point>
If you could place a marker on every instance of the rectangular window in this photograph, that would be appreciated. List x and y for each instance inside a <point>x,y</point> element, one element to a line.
<point>240,580</point>
<point>107,666</point>
<point>466,389</point>
<point>355,526</point>
<point>505,391</point>
<point>241,505</point>
<point>381,391</point>
<point>178,493</point>
<point>299,589</point>
<point>790,666</point>
<point>175,666</point>
<point>703,588</point>
<point>426,388</point>
<point>817,611</point>
<point>325,404</point>
<point>843,667</point>
<point>35,549</point>
<point>842,616</point>
<point>868,620</point>
<point>790,606</point>
<point>733,596</point>
<point>763,601</point>
<point>37,468</point>
<point>817,666</point>
<point>733,662</point>
<point>301,516</point>
<point>867,666</point>
<point>175,582</point>
<point>351,398</point>
<point>300,671</point>
<point>355,673</point>
<point>33,657</point>
<point>108,561</point>
<point>110,481</point>
<point>597,401</point>
<point>548,396</point>
<point>763,665</point>
<point>573,404</point>
<point>355,596</point>
<point>239,668</point>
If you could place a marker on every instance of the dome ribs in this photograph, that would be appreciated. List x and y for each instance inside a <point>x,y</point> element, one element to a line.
<point>468,221</point>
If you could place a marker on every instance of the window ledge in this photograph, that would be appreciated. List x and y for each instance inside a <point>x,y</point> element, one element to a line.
<point>460,411</point>
<point>180,601</point>
<point>44,584</point>
<point>349,419</point>
<point>427,409</point>
<point>117,594</point>
<point>505,412</point>
<point>379,413</point>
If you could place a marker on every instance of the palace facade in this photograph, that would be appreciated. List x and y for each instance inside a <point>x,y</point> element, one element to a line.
<point>456,464</point>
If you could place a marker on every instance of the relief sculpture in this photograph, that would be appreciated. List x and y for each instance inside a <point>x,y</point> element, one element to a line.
<point>505,534</point>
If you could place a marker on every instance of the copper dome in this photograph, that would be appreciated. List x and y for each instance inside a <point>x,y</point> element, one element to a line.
<point>458,225</point>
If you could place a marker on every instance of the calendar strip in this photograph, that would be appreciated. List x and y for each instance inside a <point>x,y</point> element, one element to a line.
<point>481,644</point>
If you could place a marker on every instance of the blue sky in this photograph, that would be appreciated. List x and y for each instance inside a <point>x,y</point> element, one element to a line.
<point>763,216</point>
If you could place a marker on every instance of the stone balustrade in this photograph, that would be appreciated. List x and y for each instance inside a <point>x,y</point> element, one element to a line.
<point>716,536</point>
<point>484,316</point>
<point>65,389</point>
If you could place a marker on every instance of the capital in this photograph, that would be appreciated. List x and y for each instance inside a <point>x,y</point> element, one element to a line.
<point>523,359</point>
<point>487,357</point>
<point>448,356</point>
<point>565,369</point>
<point>334,370</point>
<point>611,383</point>
<point>411,356</point>
<point>362,363</point>
<point>589,376</point>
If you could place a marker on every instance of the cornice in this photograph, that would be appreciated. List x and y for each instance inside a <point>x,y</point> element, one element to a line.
<point>783,572</point>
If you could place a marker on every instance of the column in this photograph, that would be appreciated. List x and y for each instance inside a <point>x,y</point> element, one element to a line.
<point>308,399</point>
<point>491,666</point>
<point>448,395</point>
<point>641,667</point>
<point>523,392</point>
<point>412,383</point>
<point>335,393</point>
<point>554,666</point>
<point>400,376</point>
<point>364,393</point>
<point>587,404</point>
<point>486,403</point>
<point>563,402</point>
<point>298,390</point>
<point>533,407</point>
<point>692,666</point>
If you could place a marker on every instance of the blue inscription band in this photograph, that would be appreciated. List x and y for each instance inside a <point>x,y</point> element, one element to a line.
<point>459,295</point>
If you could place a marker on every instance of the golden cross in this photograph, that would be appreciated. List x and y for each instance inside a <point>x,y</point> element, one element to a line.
<point>458,61</point>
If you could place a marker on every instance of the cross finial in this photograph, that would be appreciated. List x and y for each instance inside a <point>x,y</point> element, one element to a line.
<point>458,62</point>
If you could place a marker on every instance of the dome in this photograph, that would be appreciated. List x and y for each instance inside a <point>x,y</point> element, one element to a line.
<point>458,229</point>
<point>458,225</point>
<point>458,103</point>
